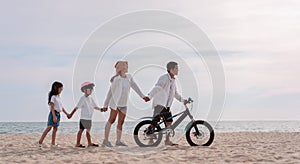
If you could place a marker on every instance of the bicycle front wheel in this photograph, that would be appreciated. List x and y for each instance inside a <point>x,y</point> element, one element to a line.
<point>199,133</point>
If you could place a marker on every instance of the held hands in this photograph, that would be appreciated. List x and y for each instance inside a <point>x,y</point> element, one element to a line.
<point>146,99</point>
<point>101,109</point>
<point>104,109</point>
<point>69,116</point>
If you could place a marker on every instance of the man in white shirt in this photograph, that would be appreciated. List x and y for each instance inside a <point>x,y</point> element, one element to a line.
<point>163,94</point>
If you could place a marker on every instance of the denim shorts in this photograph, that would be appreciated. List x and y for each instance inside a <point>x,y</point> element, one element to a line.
<point>50,119</point>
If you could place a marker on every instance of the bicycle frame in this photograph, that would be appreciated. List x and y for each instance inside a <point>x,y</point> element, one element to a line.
<point>183,114</point>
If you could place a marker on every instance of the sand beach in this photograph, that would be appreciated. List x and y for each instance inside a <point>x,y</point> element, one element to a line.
<point>237,147</point>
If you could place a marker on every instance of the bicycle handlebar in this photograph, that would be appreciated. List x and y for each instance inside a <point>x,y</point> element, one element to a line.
<point>190,100</point>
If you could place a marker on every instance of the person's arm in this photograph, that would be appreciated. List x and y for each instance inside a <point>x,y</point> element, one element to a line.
<point>79,105</point>
<point>114,93</point>
<point>136,88</point>
<point>73,111</point>
<point>95,105</point>
<point>53,112</point>
<point>66,113</point>
<point>158,87</point>
<point>100,109</point>
<point>52,100</point>
<point>108,97</point>
<point>109,94</point>
<point>112,78</point>
<point>179,97</point>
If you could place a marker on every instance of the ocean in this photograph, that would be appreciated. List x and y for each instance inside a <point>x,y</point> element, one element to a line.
<point>128,127</point>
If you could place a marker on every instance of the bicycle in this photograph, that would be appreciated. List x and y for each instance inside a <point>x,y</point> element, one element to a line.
<point>197,132</point>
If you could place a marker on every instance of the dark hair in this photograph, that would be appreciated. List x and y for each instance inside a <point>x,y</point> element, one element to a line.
<point>54,90</point>
<point>171,65</point>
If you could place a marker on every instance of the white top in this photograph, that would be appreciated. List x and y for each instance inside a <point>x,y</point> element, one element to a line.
<point>58,106</point>
<point>164,91</point>
<point>118,93</point>
<point>87,106</point>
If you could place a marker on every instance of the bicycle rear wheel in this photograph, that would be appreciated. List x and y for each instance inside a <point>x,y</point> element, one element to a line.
<point>199,133</point>
<point>145,135</point>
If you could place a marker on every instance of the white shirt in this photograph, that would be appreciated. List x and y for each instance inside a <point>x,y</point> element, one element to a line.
<point>119,90</point>
<point>87,106</point>
<point>164,91</point>
<point>58,106</point>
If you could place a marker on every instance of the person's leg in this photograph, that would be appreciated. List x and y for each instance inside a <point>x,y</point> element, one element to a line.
<point>169,121</point>
<point>54,134</point>
<point>88,132</point>
<point>156,118</point>
<point>49,127</point>
<point>168,135</point>
<point>150,128</point>
<point>88,137</point>
<point>121,118</point>
<point>111,120</point>
<point>79,134</point>
<point>156,114</point>
<point>46,131</point>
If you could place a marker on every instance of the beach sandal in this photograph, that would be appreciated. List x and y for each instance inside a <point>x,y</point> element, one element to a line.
<point>81,146</point>
<point>95,145</point>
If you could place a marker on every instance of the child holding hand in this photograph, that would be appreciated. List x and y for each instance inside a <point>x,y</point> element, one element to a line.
<point>87,105</point>
<point>56,107</point>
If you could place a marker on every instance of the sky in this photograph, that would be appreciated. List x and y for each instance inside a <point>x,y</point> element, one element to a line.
<point>257,42</point>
